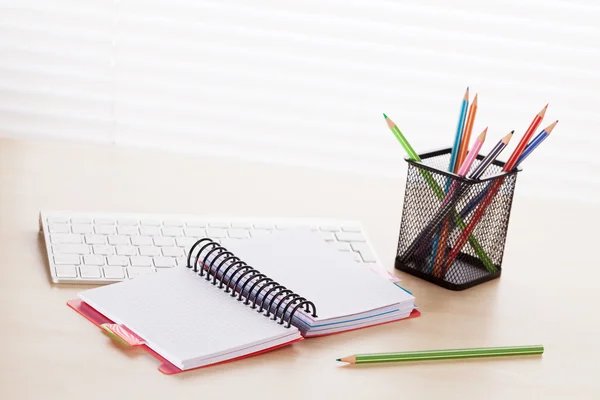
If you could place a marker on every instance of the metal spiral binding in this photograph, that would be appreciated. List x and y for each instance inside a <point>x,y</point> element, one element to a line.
<point>224,261</point>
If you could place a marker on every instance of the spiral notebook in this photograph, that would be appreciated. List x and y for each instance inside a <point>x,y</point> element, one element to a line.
<point>243,297</point>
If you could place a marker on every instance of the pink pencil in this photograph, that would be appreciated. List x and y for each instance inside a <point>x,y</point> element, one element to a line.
<point>440,252</point>
<point>466,165</point>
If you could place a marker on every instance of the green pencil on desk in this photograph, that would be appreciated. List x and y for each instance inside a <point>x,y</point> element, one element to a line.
<point>428,355</point>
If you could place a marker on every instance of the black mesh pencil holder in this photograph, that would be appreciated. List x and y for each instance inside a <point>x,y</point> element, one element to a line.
<point>453,230</point>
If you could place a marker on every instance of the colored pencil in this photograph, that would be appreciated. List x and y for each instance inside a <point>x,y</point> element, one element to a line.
<point>396,131</point>
<point>459,131</point>
<point>492,155</point>
<point>455,162</point>
<point>466,136</point>
<point>510,164</point>
<point>438,191</point>
<point>480,210</point>
<point>429,355</point>
<point>442,240</point>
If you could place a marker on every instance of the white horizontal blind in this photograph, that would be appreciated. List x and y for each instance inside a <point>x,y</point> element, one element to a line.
<point>305,82</point>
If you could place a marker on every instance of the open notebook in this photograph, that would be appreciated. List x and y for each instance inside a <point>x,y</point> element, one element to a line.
<point>217,311</point>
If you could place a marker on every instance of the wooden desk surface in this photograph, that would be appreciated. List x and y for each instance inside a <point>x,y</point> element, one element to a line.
<point>548,293</point>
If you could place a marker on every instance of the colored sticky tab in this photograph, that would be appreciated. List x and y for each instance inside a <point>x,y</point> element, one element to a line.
<point>122,334</point>
<point>383,272</point>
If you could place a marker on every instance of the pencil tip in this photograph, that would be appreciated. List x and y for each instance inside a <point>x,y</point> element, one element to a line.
<point>384,116</point>
<point>483,134</point>
<point>550,127</point>
<point>338,359</point>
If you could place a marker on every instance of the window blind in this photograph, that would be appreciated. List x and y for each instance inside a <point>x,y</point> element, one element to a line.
<point>306,82</point>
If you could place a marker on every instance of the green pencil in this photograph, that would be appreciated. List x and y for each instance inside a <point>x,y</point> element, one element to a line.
<point>427,355</point>
<point>439,192</point>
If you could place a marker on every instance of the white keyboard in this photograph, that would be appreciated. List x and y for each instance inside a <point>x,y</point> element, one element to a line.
<point>104,248</point>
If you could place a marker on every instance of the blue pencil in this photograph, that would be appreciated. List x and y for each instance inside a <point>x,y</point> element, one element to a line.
<point>536,141</point>
<point>459,132</point>
<point>452,167</point>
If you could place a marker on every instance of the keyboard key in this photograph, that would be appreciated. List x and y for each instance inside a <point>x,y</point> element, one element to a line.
<point>66,259</point>
<point>181,261</point>
<point>365,251</point>
<point>164,262</point>
<point>81,220</point>
<point>218,224</point>
<point>259,232</point>
<point>264,226</point>
<point>141,261</point>
<point>173,232</point>
<point>127,230</point>
<point>62,238</point>
<point>194,232</point>
<point>58,220</point>
<point>126,250</point>
<point>350,237</point>
<point>95,239</point>
<point>349,228</point>
<point>118,239</point>
<point>81,228</point>
<point>238,233</point>
<point>216,233</point>
<point>59,228</point>
<point>141,240</point>
<point>118,260</point>
<point>174,222</point>
<point>196,224</point>
<point>149,251</point>
<point>104,229</point>
<point>134,272</point>
<point>104,221</point>
<point>149,231</point>
<point>172,252</point>
<point>113,272</point>
<point>103,250</point>
<point>93,260</point>
<point>90,272</point>
<point>186,242</point>
<point>71,249</point>
<point>342,246</point>
<point>241,225</point>
<point>164,241</point>
<point>127,222</point>
<point>285,226</point>
<point>66,271</point>
<point>327,236</point>
<point>356,256</point>
<point>329,228</point>
<point>150,222</point>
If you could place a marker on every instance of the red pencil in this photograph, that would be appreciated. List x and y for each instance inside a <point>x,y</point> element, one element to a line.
<point>510,164</point>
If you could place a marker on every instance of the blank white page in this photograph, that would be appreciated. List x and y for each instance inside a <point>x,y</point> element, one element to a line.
<point>183,317</point>
<point>301,261</point>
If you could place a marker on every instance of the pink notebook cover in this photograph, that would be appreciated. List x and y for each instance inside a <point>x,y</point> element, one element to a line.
<point>165,367</point>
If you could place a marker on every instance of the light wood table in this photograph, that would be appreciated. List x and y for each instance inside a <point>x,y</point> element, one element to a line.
<point>548,293</point>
